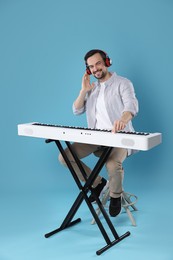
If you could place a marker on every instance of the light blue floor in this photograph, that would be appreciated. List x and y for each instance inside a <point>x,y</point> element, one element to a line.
<point>27,216</point>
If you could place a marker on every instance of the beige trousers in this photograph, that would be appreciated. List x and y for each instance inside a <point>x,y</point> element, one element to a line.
<point>113,165</point>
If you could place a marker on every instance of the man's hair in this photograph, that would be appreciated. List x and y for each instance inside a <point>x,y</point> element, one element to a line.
<point>94,51</point>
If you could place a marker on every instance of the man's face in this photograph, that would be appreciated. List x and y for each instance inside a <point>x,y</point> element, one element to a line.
<point>97,66</point>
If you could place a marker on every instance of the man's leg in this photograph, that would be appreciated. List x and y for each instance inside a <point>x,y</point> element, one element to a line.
<point>116,174</point>
<point>82,151</point>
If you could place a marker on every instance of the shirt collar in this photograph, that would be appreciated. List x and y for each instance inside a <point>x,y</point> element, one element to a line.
<point>109,81</point>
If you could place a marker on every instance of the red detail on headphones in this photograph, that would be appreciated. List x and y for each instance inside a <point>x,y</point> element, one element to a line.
<point>88,71</point>
<point>108,62</point>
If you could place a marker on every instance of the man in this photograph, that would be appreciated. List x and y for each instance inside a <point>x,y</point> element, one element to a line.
<point>109,103</point>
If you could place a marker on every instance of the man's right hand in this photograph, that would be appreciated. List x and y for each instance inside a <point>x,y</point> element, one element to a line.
<point>86,85</point>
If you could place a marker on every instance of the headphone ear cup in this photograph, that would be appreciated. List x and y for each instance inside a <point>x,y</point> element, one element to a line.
<point>108,62</point>
<point>88,71</point>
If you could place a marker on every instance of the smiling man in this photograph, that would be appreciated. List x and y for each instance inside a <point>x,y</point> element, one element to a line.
<point>110,103</point>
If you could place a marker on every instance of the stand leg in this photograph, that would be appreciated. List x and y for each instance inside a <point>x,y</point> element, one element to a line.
<point>67,221</point>
<point>129,202</point>
<point>126,203</point>
<point>103,201</point>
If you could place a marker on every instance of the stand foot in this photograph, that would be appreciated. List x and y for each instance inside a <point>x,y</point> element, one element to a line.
<point>61,228</point>
<point>100,251</point>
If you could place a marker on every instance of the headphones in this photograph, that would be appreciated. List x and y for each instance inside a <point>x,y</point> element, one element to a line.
<point>107,60</point>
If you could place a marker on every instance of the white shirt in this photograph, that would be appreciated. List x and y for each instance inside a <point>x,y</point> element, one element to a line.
<point>119,96</point>
<point>102,118</point>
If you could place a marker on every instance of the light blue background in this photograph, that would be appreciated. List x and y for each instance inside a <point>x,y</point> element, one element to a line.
<point>42,44</point>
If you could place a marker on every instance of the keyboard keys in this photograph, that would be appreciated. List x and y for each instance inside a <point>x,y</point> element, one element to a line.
<point>91,129</point>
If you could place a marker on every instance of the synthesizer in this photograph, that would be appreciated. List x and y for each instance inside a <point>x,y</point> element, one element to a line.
<point>130,140</point>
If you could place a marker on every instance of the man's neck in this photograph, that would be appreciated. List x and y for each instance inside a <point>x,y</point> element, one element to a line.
<point>107,76</point>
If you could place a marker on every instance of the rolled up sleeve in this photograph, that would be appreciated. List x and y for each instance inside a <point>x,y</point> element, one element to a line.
<point>129,98</point>
<point>78,111</point>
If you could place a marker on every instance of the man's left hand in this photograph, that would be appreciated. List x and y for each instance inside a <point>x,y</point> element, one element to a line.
<point>118,126</point>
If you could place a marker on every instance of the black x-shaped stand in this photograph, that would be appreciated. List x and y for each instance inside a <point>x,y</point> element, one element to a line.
<point>83,196</point>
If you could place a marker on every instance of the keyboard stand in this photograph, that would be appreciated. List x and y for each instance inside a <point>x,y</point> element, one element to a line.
<point>84,189</point>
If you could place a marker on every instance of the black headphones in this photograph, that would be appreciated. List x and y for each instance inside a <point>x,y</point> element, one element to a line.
<point>107,60</point>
